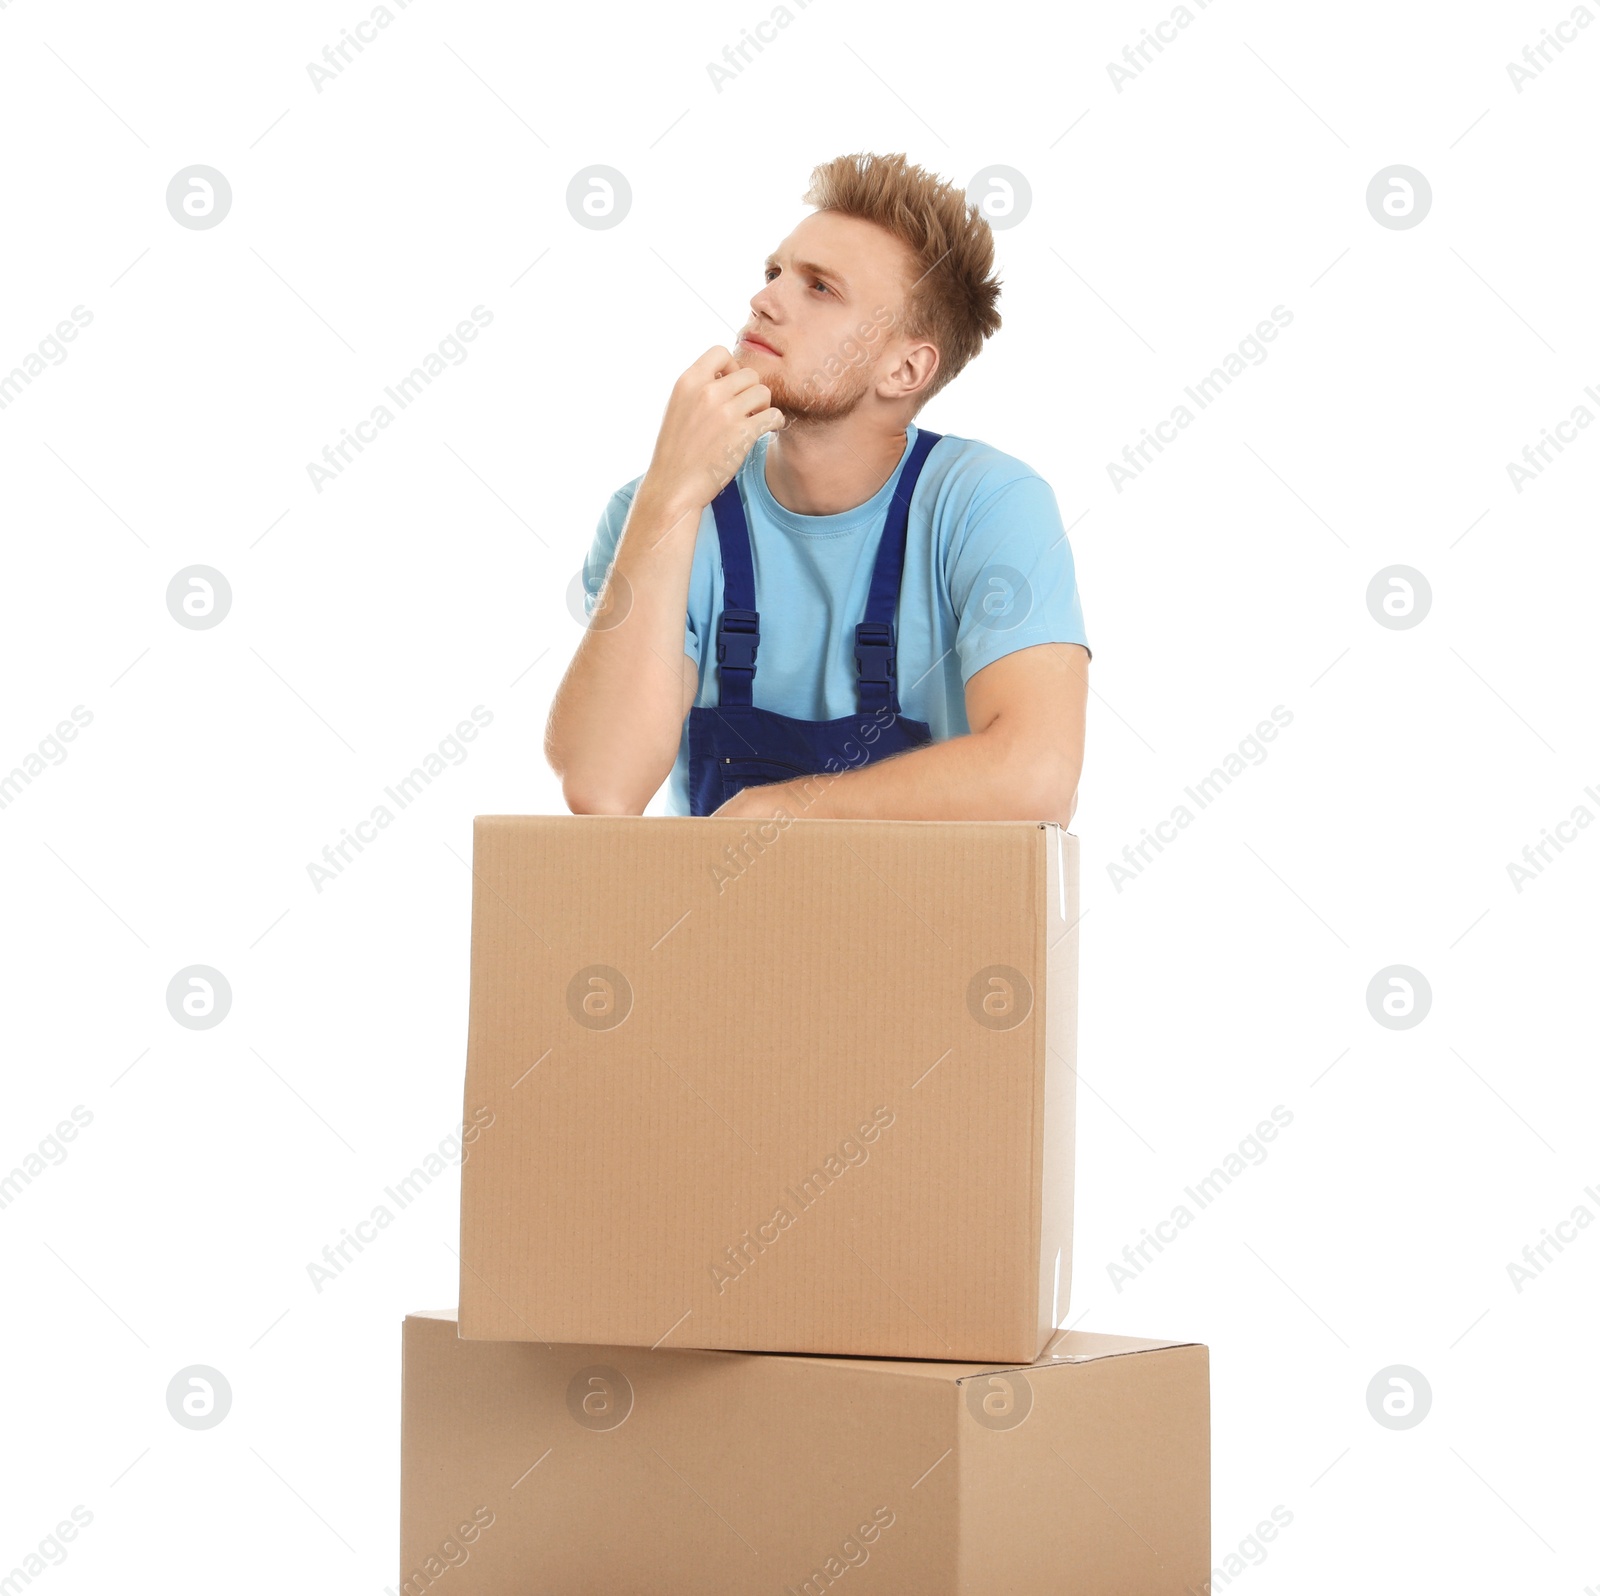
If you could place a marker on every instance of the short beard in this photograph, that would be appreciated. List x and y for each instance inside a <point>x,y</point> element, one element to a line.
<point>814,404</point>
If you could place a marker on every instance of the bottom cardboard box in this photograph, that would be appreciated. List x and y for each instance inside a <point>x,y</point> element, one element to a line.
<point>530,1469</point>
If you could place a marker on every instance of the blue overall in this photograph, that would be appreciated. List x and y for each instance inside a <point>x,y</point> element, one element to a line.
<point>733,744</point>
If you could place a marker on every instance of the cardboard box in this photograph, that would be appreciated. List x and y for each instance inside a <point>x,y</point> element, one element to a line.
<point>803,1087</point>
<point>533,1470</point>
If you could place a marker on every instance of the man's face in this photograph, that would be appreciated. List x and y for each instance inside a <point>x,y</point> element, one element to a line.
<point>828,315</point>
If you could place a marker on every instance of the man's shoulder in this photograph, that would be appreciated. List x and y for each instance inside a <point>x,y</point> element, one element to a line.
<point>969,471</point>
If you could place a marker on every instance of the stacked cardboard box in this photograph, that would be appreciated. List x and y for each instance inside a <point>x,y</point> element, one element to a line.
<point>767,1235</point>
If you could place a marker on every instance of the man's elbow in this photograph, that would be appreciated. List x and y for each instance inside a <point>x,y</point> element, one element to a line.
<point>593,800</point>
<point>1051,789</point>
<point>586,791</point>
<point>1057,804</point>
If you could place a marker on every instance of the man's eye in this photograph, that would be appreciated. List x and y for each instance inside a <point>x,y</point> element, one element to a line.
<point>768,272</point>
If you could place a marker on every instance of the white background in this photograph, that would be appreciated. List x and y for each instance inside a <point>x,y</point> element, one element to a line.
<point>1228,976</point>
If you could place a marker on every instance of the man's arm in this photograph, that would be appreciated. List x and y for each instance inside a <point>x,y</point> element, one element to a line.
<point>1020,761</point>
<point>617,718</point>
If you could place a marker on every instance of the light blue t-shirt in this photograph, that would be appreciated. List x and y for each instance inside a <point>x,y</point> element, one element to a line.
<point>988,570</point>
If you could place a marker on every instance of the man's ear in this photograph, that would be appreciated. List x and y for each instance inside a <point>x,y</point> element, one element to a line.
<point>912,372</point>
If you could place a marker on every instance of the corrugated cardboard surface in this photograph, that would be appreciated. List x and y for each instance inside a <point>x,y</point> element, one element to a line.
<point>1104,1486</point>
<point>676,1025</point>
<point>725,1473</point>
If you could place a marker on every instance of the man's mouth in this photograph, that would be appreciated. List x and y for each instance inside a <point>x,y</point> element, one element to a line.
<point>756,343</point>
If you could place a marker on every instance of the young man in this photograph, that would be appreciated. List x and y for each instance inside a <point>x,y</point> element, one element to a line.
<point>876,620</point>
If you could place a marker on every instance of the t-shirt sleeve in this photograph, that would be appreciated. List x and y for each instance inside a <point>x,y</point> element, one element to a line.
<point>603,551</point>
<point>1011,577</point>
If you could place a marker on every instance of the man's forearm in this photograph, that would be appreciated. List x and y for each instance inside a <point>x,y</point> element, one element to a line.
<point>987,775</point>
<point>617,717</point>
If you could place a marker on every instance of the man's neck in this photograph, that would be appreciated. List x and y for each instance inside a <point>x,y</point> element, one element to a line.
<point>826,469</point>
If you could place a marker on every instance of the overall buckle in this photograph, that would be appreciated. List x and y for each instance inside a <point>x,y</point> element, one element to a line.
<point>738,634</point>
<point>875,652</point>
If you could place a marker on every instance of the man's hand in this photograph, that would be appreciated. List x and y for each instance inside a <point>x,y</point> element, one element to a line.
<point>761,803</point>
<point>617,719</point>
<point>717,410</point>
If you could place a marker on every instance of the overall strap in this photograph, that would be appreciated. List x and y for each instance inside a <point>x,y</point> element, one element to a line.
<point>876,687</point>
<point>739,626</point>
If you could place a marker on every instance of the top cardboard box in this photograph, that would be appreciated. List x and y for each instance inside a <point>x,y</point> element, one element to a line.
<point>801,1086</point>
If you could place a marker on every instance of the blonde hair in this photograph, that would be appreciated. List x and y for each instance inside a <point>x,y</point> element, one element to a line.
<point>951,298</point>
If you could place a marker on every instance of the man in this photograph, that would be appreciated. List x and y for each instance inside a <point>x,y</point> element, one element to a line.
<point>877,621</point>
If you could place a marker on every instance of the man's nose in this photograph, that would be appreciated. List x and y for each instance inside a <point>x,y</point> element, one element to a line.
<point>764,302</point>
